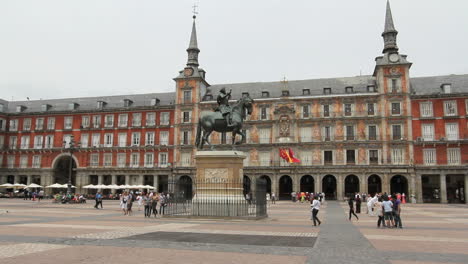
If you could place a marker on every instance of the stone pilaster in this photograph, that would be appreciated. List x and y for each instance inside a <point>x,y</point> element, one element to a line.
<point>340,188</point>
<point>114,181</point>
<point>443,188</point>
<point>127,179</point>
<point>28,179</point>
<point>318,184</point>
<point>156,183</point>
<point>419,198</point>
<point>386,183</point>
<point>362,184</point>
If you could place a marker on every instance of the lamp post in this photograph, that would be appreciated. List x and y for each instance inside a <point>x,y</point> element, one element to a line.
<point>71,147</point>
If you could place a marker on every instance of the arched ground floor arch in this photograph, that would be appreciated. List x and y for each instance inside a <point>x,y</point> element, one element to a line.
<point>247,184</point>
<point>184,188</point>
<point>351,185</point>
<point>268,183</point>
<point>374,184</point>
<point>62,170</point>
<point>285,187</point>
<point>329,187</point>
<point>399,184</point>
<point>307,184</point>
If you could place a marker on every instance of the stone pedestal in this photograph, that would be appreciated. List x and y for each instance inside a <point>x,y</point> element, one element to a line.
<point>219,188</point>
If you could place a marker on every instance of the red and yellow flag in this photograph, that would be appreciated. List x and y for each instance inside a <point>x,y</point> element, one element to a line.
<point>288,155</point>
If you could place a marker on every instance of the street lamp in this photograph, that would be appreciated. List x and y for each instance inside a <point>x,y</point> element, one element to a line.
<point>71,147</point>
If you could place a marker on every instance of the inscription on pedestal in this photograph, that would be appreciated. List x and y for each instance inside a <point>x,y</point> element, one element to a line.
<point>216,175</point>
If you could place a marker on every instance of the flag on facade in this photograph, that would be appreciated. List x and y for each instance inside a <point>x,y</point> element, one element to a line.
<point>291,156</point>
<point>288,155</point>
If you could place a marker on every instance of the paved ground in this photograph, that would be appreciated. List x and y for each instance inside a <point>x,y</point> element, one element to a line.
<point>54,233</point>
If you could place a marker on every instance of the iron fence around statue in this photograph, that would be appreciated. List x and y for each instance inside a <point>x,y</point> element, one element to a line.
<point>217,198</point>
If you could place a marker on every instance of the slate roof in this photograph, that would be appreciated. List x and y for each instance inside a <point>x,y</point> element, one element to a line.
<point>432,84</point>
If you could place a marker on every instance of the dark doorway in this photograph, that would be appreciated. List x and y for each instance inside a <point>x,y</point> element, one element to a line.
<point>430,188</point>
<point>374,185</point>
<point>268,183</point>
<point>307,184</point>
<point>246,184</point>
<point>329,187</point>
<point>184,188</point>
<point>351,185</point>
<point>285,187</point>
<point>455,188</point>
<point>163,183</point>
<point>399,184</point>
<point>62,170</point>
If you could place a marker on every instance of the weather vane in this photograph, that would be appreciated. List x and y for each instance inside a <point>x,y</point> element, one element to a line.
<point>194,10</point>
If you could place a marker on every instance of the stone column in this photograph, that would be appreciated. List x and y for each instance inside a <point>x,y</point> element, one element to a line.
<point>16,177</point>
<point>340,188</point>
<point>274,185</point>
<point>466,188</point>
<point>2,179</point>
<point>443,188</point>
<point>318,184</point>
<point>99,181</point>
<point>127,179</point>
<point>419,195</point>
<point>142,179</point>
<point>363,184</point>
<point>28,179</point>
<point>295,183</point>
<point>386,184</point>
<point>412,186</point>
<point>156,183</point>
<point>114,181</point>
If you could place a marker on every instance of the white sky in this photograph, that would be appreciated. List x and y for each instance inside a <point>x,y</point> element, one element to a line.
<point>69,48</point>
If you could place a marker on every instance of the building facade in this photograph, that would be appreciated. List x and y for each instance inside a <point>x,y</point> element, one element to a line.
<point>356,134</point>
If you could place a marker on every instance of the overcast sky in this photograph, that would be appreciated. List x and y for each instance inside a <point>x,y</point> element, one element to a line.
<point>69,48</point>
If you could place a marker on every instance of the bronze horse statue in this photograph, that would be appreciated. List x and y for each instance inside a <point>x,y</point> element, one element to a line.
<point>214,121</point>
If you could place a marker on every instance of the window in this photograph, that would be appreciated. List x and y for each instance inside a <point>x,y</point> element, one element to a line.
<point>2,107</point>
<point>305,111</point>
<point>305,91</point>
<point>109,121</point>
<point>14,125</point>
<point>108,140</point>
<point>49,141</point>
<point>136,119</point>
<point>265,94</point>
<point>327,134</point>
<point>264,135</point>
<point>373,156</point>
<point>127,102</point>
<point>446,88</point>
<point>94,159</point>
<point>326,90</point>
<point>123,120</point>
<point>186,116</point>
<point>326,110</point>
<point>149,139</point>
<point>350,133</point>
<point>149,160</point>
<point>350,156</point>
<point>164,116</point>
<point>349,89</point>
<point>66,141</point>
<point>451,131</point>
<point>396,132</point>
<point>51,123</point>
<point>398,157</point>
<point>371,88</point>
<point>150,119</point>
<point>121,160</point>
<point>23,161</point>
<point>2,124</point>
<point>97,121</point>
<point>426,109</point>
<point>155,101</point>
<point>263,113</point>
<point>428,132</point>
<point>453,156</point>
<point>108,159</point>
<point>187,96</point>
<point>370,109</point>
<point>450,108</point>
<point>73,106</point>
<point>136,139</point>
<point>163,159</point>
<point>186,159</point>
<point>84,140</point>
<point>38,142</point>
<point>122,140</point>
<point>395,85</point>
<point>36,161</point>
<point>96,140</point>
<point>306,158</point>
<point>164,138</point>
<point>185,140</point>
<point>348,109</point>
<point>135,160</point>
<point>11,161</point>
<point>85,121</point>
<point>305,134</point>
<point>24,142</point>
<point>328,157</point>
<point>2,141</point>
<point>27,124</point>
<point>372,132</point>
<point>429,156</point>
<point>68,122</point>
<point>100,104</point>
<point>45,107</point>
<point>245,94</point>
<point>285,93</point>
<point>264,158</point>
<point>13,142</point>
<point>396,108</point>
<point>247,159</point>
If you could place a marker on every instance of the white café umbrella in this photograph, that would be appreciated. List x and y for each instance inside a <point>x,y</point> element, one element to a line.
<point>33,185</point>
<point>66,186</point>
<point>19,185</point>
<point>100,186</point>
<point>56,186</point>
<point>113,187</point>
<point>7,185</point>
<point>149,187</point>
<point>89,186</point>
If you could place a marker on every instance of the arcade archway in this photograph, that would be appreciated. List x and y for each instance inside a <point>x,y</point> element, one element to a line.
<point>285,187</point>
<point>184,188</point>
<point>399,184</point>
<point>307,184</point>
<point>62,170</point>
<point>374,184</point>
<point>329,187</point>
<point>268,183</point>
<point>247,183</point>
<point>351,185</point>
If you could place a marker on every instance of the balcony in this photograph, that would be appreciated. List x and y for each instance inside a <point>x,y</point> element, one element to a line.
<point>441,138</point>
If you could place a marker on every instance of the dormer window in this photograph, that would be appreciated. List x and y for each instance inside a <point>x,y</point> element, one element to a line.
<point>128,102</point>
<point>208,97</point>
<point>73,106</point>
<point>101,104</point>
<point>20,108</point>
<point>327,90</point>
<point>45,107</point>
<point>305,91</point>
<point>446,88</point>
<point>371,88</point>
<point>245,94</point>
<point>1,107</point>
<point>285,93</point>
<point>349,89</point>
<point>155,101</point>
<point>265,94</point>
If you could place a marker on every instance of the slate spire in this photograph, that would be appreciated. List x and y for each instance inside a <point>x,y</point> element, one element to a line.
<point>193,47</point>
<point>390,33</point>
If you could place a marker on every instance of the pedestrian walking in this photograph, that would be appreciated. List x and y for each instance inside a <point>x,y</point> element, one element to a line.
<point>358,204</point>
<point>139,201</point>
<point>273,198</point>
<point>315,207</point>
<point>41,195</point>
<point>162,203</point>
<point>379,212</point>
<point>387,206</point>
<point>123,202</point>
<point>98,200</point>
<point>396,212</point>
<point>351,208</point>
<point>147,205</point>
<point>154,204</point>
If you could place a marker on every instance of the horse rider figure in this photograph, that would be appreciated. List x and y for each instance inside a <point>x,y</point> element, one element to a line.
<point>223,105</point>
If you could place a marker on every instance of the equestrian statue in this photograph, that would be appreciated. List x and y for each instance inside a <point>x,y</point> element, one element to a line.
<point>225,118</point>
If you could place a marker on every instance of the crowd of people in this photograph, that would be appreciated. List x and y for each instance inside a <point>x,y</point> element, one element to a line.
<point>149,201</point>
<point>306,196</point>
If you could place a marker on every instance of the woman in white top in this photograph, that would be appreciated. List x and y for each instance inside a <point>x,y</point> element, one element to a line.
<point>315,209</point>
<point>123,202</point>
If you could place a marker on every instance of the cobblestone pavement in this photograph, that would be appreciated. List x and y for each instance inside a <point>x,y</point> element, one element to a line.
<point>54,233</point>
